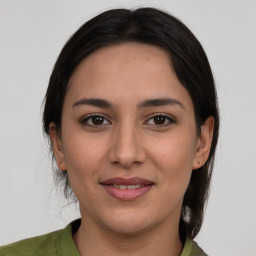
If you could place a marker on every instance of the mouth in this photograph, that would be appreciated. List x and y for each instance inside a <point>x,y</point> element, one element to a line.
<point>135,186</point>
<point>127,189</point>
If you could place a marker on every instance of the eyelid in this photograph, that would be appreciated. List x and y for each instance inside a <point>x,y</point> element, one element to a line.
<point>168,116</point>
<point>87,117</point>
<point>149,117</point>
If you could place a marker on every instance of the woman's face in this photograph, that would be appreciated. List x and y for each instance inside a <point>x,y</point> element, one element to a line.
<point>128,138</point>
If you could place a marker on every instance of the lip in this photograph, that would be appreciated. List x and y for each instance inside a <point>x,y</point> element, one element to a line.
<point>127,194</point>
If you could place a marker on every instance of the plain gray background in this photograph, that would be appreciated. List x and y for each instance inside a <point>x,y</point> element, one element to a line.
<point>32,33</point>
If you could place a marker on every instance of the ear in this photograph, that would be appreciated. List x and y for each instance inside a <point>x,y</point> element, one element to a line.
<point>57,147</point>
<point>204,143</point>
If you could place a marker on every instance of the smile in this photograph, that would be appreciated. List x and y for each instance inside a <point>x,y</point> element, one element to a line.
<point>127,189</point>
<point>128,186</point>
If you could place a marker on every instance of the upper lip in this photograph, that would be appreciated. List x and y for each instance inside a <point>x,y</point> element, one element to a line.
<point>126,181</point>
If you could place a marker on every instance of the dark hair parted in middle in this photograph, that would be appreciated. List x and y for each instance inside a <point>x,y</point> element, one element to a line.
<point>155,27</point>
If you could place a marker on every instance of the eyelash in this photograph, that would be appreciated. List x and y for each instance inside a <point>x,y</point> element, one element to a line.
<point>87,119</point>
<point>166,117</point>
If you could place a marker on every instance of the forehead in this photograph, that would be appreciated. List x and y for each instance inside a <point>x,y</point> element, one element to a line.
<point>130,69</point>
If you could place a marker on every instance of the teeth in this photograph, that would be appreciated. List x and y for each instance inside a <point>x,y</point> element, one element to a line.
<point>128,186</point>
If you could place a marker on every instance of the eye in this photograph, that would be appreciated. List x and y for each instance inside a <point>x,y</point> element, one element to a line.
<point>160,120</point>
<point>95,120</point>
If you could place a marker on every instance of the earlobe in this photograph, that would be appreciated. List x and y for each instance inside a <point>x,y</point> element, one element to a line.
<point>57,147</point>
<point>204,144</point>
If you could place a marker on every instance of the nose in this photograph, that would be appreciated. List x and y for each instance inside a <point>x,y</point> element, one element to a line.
<point>127,147</point>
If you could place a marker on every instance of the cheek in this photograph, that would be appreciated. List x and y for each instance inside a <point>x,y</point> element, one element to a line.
<point>174,151</point>
<point>83,156</point>
<point>174,156</point>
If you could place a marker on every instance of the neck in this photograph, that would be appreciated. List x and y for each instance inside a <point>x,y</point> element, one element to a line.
<point>92,240</point>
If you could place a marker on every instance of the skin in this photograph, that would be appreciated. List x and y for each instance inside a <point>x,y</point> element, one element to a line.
<point>127,141</point>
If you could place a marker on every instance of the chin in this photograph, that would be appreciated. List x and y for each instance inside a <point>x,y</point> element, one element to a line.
<point>129,223</point>
<point>128,229</point>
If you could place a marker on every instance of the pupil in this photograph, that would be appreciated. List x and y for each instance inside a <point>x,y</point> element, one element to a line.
<point>159,120</point>
<point>97,120</point>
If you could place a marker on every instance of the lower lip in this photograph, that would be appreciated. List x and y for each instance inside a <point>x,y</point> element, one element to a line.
<point>127,194</point>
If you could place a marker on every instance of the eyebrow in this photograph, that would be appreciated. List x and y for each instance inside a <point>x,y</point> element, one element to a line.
<point>93,102</point>
<point>160,102</point>
<point>145,104</point>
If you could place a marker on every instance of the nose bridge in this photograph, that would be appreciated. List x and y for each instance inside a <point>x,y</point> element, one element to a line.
<point>127,148</point>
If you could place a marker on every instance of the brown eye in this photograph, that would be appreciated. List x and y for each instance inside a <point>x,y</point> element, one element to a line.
<point>95,120</point>
<point>160,120</point>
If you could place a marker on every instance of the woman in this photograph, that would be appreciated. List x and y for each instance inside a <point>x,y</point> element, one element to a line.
<point>132,115</point>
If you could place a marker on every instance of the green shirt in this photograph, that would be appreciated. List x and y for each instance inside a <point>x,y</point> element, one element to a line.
<point>60,243</point>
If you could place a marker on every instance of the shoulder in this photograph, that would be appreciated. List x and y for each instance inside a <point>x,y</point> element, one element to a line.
<point>191,248</point>
<point>197,250</point>
<point>40,245</point>
<point>55,243</point>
